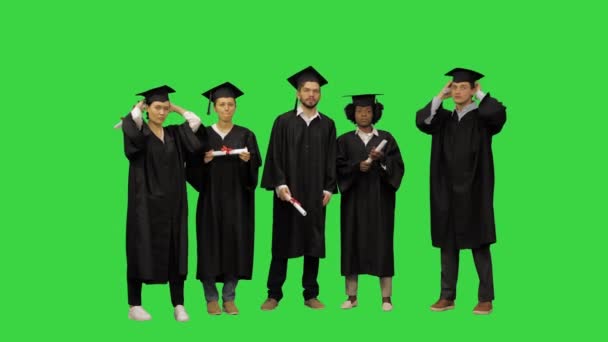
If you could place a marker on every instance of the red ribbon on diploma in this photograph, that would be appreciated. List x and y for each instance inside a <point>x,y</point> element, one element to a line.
<point>297,205</point>
<point>226,149</point>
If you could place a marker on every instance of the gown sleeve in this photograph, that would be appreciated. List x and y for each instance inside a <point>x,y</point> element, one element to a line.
<point>250,168</point>
<point>492,113</point>
<point>192,142</point>
<point>195,160</point>
<point>425,113</point>
<point>394,168</point>
<point>135,139</point>
<point>273,174</point>
<point>330,162</point>
<point>194,171</point>
<point>347,169</point>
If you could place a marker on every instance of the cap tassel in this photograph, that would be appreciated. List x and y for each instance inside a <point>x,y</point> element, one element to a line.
<point>209,106</point>
<point>295,105</point>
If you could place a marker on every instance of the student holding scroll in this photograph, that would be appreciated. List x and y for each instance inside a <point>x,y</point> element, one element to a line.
<point>226,183</point>
<point>301,165</point>
<point>368,179</point>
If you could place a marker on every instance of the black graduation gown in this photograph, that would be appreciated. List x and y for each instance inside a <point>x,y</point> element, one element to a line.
<point>303,158</point>
<point>367,208</point>
<point>462,174</point>
<point>225,218</point>
<point>157,213</point>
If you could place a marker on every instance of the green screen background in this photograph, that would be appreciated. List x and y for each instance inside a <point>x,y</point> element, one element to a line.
<point>69,71</point>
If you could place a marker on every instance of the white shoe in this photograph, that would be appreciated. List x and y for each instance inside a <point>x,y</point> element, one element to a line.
<point>349,305</point>
<point>387,306</point>
<point>137,313</point>
<point>180,314</point>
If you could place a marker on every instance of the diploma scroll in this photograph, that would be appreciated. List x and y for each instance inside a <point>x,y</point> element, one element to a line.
<point>297,205</point>
<point>229,151</point>
<point>378,149</point>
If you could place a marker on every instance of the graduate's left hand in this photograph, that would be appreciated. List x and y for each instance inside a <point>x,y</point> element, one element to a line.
<point>208,156</point>
<point>326,198</point>
<point>245,156</point>
<point>376,155</point>
<point>176,109</point>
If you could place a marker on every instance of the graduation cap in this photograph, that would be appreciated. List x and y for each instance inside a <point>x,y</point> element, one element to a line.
<point>157,94</point>
<point>225,89</point>
<point>364,99</point>
<point>308,74</point>
<point>464,75</point>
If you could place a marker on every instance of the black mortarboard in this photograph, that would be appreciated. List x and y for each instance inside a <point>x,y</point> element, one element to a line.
<point>157,94</point>
<point>226,89</point>
<point>308,74</point>
<point>363,99</point>
<point>464,75</point>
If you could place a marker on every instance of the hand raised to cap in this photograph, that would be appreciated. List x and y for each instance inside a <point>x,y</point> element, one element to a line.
<point>176,109</point>
<point>141,105</point>
<point>446,91</point>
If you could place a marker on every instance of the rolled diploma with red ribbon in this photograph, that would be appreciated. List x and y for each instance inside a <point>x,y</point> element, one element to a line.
<point>297,205</point>
<point>229,151</point>
<point>378,149</point>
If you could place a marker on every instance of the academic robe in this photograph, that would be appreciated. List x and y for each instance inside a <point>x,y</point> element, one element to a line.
<point>367,207</point>
<point>462,174</point>
<point>225,217</point>
<point>157,213</point>
<point>303,158</point>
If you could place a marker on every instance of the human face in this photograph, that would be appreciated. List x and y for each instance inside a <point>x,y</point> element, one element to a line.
<point>158,111</point>
<point>462,93</point>
<point>309,94</point>
<point>225,107</point>
<point>364,115</point>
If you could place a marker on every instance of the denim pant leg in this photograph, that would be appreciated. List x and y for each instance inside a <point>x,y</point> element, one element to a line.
<point>229,289</point>
<point>210,290</point>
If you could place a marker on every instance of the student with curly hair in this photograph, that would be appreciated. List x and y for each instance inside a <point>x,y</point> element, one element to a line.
<point>368,180</point>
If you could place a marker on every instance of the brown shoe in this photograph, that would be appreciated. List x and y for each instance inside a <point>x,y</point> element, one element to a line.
<point>483,308</point>
<point>270,304</point>
<point>443,305</point>
<point>230,308</point>
<point>314,304</point>
<point>213,308</point>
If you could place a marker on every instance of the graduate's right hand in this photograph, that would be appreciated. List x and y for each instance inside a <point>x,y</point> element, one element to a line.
<point>284,193</point>
<point>141,105</point>
<point>208,156</point>
<point>244,156</point>
<point>364,166</point>
<point>446,92</point>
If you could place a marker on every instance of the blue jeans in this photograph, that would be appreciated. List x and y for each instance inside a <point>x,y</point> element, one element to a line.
<point>228,291</point>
